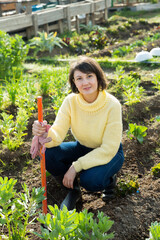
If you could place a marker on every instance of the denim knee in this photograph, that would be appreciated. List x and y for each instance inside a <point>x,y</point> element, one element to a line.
<point>53,165</point>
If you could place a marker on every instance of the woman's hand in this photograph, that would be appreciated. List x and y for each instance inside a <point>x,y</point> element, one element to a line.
<point>69,177</point>
<point>38,129</point>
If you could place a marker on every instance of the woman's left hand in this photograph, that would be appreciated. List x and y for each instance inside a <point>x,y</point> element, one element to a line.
<point>69,177</point>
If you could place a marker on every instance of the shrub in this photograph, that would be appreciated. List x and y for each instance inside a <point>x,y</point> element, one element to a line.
<point>12,54</point>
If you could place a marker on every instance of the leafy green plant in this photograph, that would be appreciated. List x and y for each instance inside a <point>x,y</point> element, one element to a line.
<point>90,27</point>
<point>12,88</point>
<point>46,42</point>
<point>58,87</point>
<point>98,39</point>
<point>45,83</point>
<point>137,131</point>
<point>17,210</point>
<point>155,171</point>
<point>128,86</point>
<point>13,52</point>
<point>127,187</point>
<point>133,94</point>
<point>64,224</point>
<point>122,51</point>
<point>156,81</point>
<point>1,96</point>
<point>158,118</point>
<point>154,233</point>
<point>13,131</point>
<point>28,89</point>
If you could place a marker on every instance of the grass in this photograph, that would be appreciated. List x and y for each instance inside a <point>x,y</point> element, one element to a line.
<point>151,16</point>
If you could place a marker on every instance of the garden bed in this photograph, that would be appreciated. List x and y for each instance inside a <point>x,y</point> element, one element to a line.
<point>132,213</point>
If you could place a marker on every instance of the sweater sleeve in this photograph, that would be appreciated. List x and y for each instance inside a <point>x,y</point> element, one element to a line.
<point>59,129</point>
<point>110,142</point>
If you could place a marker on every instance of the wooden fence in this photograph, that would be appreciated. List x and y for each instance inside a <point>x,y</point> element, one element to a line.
<point>60,18</point>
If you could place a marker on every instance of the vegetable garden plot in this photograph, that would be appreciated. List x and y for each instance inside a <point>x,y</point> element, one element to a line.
<point>137,199</point>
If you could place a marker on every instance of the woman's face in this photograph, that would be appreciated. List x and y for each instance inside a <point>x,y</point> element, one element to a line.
<point>87,85</point>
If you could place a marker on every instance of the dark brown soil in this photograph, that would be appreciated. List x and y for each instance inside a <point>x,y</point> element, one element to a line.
<point>133,213</point>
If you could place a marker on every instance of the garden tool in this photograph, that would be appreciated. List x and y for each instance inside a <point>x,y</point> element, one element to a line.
<point>43,167</point>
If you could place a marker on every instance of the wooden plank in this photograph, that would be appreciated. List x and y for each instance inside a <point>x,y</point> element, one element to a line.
<point>77,25</point>
<point>8,7</point>
<point>46,28</point>
<point>35,24</point>
<point>60,13</point>
<point>87,19</point>
<point>15,23</point>
<point>53,27</point>
<point>99,5</point>
<point>80,9</point>
<point>68,18</point>
<point>60,26</point>
<point>52,15</point>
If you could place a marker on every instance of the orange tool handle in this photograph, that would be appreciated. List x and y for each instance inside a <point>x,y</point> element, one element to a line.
<point>43,166</point>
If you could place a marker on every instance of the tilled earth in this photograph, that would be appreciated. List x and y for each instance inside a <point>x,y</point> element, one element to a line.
<point>133,213</point>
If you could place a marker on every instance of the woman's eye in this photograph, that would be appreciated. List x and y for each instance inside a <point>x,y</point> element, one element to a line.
<point>90,76</point>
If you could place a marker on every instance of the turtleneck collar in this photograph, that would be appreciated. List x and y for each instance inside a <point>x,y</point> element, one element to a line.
<point>96,105</point>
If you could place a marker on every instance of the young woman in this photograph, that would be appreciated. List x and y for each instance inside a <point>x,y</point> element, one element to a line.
<point>95,119</point>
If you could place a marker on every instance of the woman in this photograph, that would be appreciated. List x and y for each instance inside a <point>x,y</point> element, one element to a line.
<point>95,119</point>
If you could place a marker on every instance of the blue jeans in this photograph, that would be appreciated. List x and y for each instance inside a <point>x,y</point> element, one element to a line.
<point>60,158</point>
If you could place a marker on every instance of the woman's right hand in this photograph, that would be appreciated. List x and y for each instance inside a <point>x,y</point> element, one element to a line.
<point>39,129</point>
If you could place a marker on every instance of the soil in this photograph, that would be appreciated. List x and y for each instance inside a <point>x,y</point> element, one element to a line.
<point>133,213</point>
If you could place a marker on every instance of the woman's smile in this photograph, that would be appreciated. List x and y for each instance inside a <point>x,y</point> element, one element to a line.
<point>87,85</point>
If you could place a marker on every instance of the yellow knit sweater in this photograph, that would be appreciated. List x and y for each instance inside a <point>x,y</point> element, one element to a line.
<point>96,125</point>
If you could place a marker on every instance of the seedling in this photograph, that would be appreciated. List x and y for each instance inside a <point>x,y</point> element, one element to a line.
<point>13,131</point>
<point>158,118</point>
<point>154,233</point>
<point>64,224</point>
<point>17,210</point>
<point>137,131</point>
<point>13,52</point>
<point>155,171</point>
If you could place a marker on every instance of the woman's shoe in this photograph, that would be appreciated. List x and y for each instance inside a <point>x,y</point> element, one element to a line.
<point>71,199</point>
<point>109,192</point>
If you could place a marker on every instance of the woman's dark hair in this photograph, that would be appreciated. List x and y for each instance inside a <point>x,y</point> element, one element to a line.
<point>87,65</point>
